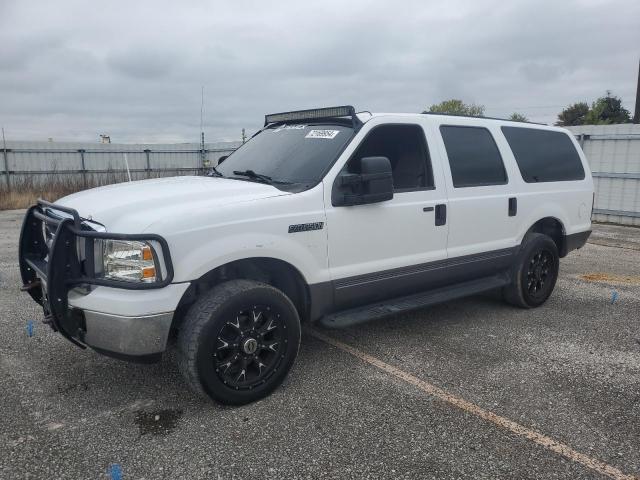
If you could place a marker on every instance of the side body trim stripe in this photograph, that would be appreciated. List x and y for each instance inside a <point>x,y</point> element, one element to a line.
<point>422,268</point>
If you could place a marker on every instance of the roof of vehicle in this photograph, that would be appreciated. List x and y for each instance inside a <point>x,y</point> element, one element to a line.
<point>348,113</point>
<point>366,115</point>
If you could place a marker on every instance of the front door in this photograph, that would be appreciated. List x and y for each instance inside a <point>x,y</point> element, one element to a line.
<point>388,249</point>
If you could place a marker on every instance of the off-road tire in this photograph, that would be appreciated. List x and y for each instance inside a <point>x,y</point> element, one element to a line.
<point>530,286</point>
<point>211,322</point>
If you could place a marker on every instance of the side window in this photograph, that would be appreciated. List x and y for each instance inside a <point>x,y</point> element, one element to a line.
<point>473,156</point>
<point>406,149</point>
<point>543,155</point>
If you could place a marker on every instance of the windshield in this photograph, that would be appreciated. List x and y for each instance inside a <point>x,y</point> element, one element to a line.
<point>294,154</point>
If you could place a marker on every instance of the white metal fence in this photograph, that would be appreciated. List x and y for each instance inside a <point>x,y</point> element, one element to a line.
<point>613,152</point>
<point>95,163</point>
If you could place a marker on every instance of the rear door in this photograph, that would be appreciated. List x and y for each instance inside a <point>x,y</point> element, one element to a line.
<point>483,221</point>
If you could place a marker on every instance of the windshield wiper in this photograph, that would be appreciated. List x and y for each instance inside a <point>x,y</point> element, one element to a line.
<point>259,177</point>
<point>253,175</point>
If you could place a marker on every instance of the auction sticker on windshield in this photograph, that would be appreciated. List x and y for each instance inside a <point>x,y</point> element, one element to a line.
<point>322,134</point>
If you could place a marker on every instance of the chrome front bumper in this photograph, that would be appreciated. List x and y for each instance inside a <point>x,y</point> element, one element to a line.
<point>56,254</point>
<point>129,338</point>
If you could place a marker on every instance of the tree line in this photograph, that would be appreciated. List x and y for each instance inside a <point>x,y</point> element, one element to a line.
<point>603,111</point>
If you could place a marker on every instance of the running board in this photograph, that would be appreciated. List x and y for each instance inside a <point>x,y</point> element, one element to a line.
<point>356,316</point>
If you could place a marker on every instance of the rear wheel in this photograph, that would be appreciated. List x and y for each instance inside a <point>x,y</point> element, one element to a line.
<point>535,273</point>
<point>239,341</point>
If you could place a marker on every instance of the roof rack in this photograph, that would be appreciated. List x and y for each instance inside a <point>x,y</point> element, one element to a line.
<point>482,117</point>
<point>326,113</point>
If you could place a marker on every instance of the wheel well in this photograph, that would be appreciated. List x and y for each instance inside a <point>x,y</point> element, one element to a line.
<point>276,273</point>
<point>553,228</point>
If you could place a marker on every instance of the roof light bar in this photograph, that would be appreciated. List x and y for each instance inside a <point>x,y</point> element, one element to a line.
<point>313,114</point>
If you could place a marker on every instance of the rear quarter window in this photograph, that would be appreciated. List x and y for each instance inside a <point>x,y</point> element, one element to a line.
<point>543,155</point>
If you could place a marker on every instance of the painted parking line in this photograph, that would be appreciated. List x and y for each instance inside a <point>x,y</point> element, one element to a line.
<point>502,422</point>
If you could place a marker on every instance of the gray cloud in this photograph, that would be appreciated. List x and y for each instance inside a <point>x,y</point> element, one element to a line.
<point>70,71</point>
<point>144,63</point>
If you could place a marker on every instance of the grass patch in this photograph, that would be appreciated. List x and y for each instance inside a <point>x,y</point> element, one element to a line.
<point>25,190</point>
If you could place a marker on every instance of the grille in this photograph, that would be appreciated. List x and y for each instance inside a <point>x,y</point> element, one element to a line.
<point>49,232</point>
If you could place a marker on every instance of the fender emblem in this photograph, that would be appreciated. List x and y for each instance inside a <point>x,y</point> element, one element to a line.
<point>305,227</point>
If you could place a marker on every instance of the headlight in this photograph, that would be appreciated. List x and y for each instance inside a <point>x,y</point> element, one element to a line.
<point>129,260</point>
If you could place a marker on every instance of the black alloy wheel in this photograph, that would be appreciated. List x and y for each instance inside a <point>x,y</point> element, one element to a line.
<point>238,341</point>
<point>249,347</point>
<point>534,272</point>
<point>539,272</point>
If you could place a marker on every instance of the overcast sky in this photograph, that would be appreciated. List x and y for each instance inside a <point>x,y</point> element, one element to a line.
<point>134,70</point>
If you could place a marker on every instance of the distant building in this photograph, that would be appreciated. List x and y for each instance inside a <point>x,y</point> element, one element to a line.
<point>105,139</point>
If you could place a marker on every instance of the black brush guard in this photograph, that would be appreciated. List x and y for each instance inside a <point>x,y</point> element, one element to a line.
<point>49,272</point>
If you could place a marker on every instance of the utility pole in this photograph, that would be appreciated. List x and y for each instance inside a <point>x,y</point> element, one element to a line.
<point>6,160</point>
<point>636,117</point>
<point>244,136</point>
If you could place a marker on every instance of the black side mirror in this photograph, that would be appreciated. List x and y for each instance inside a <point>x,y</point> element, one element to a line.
<point>373,184</point>
<point>222,159</point>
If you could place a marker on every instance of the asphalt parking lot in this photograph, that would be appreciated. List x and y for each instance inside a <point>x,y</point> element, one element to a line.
<point>468,389</point>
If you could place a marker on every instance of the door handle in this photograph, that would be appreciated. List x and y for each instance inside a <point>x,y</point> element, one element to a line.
<point>427,209</point>
<point>513,206</point>
<point>441,214</point>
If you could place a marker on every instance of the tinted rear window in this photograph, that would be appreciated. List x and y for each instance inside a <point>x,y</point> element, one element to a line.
<point>473,156</point>
<point>543,155</point>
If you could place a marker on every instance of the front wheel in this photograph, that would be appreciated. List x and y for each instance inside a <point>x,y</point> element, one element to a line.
<point>535,273</point>
<point>238,341</point>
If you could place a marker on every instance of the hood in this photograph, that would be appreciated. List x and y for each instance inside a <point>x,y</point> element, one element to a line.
<point>131,207</point>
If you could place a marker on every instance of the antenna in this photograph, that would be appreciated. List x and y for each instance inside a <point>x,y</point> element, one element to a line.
<point>202,153</point>
<point>202,110</point>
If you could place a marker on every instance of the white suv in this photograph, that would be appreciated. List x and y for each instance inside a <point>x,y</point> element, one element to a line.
<point>323,216</point>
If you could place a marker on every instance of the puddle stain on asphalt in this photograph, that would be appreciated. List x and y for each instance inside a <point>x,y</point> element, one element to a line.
<point>158,422</point>
<point>81,386</point>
